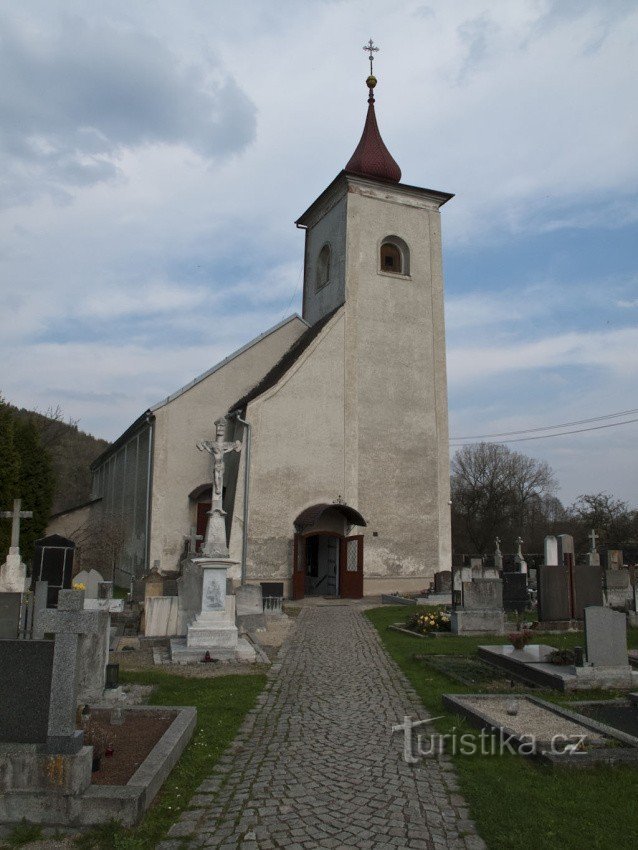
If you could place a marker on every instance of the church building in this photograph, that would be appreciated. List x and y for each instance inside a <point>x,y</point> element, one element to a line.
<point>341,486</point>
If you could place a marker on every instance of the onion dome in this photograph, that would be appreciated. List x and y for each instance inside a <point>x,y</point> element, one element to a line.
<point>371,157</point>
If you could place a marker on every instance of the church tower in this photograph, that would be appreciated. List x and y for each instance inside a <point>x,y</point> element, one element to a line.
<point>373,248</point>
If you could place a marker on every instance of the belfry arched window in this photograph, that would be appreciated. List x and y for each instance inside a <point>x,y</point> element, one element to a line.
<point>323,267</point>
<point>394,256</point>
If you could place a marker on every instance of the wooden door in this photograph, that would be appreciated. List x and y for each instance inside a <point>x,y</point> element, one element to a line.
<point>299,567</point>
<point>351,567</point>
<point>202,521</point>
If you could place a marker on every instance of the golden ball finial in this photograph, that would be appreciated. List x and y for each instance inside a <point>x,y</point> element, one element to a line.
<point>371,82</point>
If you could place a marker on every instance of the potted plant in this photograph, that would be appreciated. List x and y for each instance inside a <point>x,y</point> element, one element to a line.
<point>519,640</point>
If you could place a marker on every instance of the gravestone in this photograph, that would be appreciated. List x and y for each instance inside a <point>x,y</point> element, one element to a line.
<point>553,585</point>
<point>10,607</point>
<point>593,557</point>
<point>249,607</point>
<point>26,668</point>
<point>476,567</point>
<point>53,563</point>
<point>515,596</point>
<point>618,592</point>
<point>551,550</point>
<point>565,545</point>
<point>68,623</point>
<point>614,559</point>
<point>13,571</point>
<point>482,595</point>
<point>588,587</point>
<point>481,610</point>
<point>606,637</point>
<point>154,583</point>
<point>443,581</point>
<point>90,579</point>
<point>248,599</point>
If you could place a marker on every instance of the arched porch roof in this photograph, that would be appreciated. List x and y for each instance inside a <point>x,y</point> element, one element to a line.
<point>310,516</point>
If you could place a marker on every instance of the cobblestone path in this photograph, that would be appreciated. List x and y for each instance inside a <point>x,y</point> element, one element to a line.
<point>315,764</point>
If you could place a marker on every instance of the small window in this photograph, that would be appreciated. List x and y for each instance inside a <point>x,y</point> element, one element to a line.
<point>323,267</point>
<point>394,256</point>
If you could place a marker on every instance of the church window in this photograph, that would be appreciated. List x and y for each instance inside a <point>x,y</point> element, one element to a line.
<point>323,267</point>
<point>394,256</point>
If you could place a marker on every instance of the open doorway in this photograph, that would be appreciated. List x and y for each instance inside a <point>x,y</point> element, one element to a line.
<point>322,565</point>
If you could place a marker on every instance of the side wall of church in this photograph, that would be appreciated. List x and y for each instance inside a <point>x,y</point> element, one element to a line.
<point>178,467</point>
<point>397,395</point>
<point>297,453</point>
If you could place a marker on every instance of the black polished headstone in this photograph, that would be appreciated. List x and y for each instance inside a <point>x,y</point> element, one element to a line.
<point>25,677</point>
<point>553,593</point>
<point>53,563</point>
<point>10,605</point>
<point>588,588</point>
<point>515,596</point>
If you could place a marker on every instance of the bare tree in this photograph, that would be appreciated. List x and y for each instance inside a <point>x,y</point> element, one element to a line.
<point>497,491</point>
<point>612,519</point>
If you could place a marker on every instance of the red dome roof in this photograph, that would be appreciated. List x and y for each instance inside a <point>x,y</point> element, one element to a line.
<point>371,157</point>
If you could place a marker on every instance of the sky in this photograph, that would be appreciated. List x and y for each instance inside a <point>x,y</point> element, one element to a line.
<point>155,155</point>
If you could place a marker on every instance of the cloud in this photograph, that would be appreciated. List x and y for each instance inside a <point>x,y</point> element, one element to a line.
<point>609,351</point>
<point>75,95</point>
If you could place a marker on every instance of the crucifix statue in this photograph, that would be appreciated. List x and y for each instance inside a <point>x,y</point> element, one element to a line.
<point>519,541</point>
<point>215,541</point>
<point>15,516</point>
<point>498,546</point>
<point>593,537</point>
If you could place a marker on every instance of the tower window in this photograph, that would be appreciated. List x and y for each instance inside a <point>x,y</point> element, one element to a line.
<point>394,256</point>
<point>323,267</point>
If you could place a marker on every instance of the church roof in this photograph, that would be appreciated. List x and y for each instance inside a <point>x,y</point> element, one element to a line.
<point>285,363</point>
<point>371,158</point>
<point>149,415</point>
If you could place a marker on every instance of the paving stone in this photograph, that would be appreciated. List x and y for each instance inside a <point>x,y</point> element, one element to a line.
<point>315,764</point>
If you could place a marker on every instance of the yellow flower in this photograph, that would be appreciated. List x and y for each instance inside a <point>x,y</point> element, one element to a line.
<point>78,585</point>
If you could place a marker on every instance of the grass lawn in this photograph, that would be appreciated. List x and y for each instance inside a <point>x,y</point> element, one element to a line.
<point>515,801</point>
<point>221,704</point>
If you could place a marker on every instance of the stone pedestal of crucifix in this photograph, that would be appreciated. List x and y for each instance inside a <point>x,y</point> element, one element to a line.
<point>13,573</point>
<point>205,604</point>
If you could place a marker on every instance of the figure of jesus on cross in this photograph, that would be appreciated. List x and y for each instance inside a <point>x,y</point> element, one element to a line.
<point>215,540</point>
<point>217,450</point>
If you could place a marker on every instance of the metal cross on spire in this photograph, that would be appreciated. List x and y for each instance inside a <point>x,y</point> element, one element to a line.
<point>371,49</point>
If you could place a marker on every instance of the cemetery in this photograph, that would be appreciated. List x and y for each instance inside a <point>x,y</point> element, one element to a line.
<point>274,574</point>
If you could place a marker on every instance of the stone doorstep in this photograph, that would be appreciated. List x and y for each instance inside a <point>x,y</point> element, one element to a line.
<point>99,804</point>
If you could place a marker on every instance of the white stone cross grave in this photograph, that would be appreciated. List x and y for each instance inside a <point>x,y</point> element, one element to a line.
<point>13,572</point>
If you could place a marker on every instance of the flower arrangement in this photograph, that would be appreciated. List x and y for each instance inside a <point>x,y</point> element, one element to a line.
<point>78,585</point>
<point>520,639</point>
<point>434,621</point>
